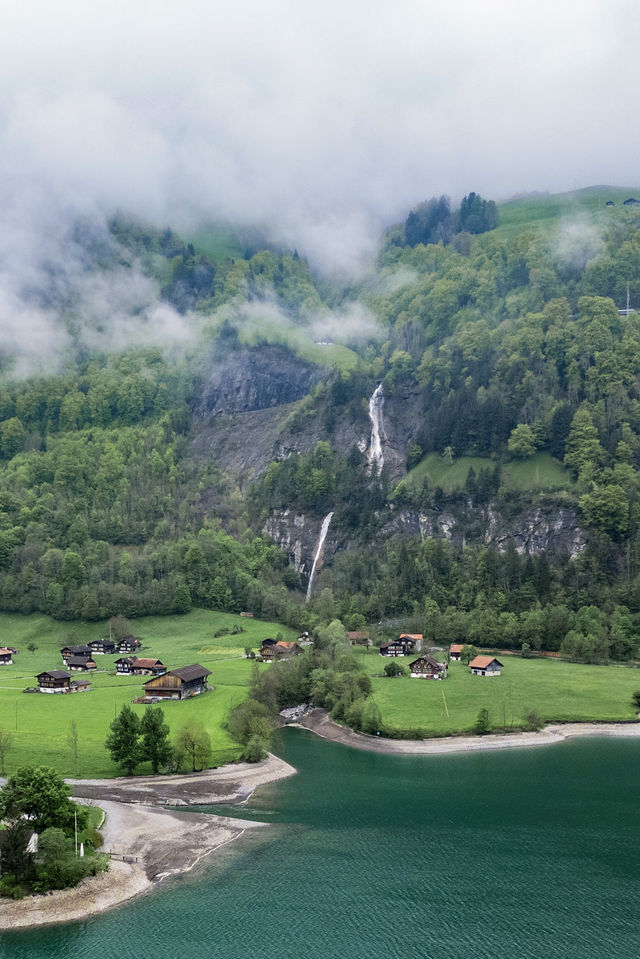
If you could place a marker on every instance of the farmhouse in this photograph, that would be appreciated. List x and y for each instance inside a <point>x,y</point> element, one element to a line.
<point>6,656</point>
<point>181,683</point>
<point>101,647</point>
<point>54,681</point>
<point>79,686</point>
<point>358,638</point>
<point>455,650</point>
<point>134,666</point>
<point>416,638</point>
<point>79,664</point>
<point>128,644</point>
<point>485,666</point>
<point>279,650</point>
<point>402,646</point>
<point>426,667</point>
<point>78,651</point>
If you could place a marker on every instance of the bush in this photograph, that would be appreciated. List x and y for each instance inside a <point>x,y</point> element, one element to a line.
<point>255,750</point>
<point>533,722</point>
<point>483,723</point>
<point>394,669</point>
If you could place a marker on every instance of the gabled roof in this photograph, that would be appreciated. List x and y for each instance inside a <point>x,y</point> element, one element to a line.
<point>481,662</point>
<point>54,674</point>
<point>78,650</point>
<point>145,663</point>
<point>189,673</point>
<point>80,661</point>
<point>5,651</point>
<point>80,682</point>
<point>456,647</point>
<point>436,664</point>
<point>413,636</point>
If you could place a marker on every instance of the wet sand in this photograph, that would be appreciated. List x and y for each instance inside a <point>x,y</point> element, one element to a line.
<point>318,721</point>
<point>159,842</point>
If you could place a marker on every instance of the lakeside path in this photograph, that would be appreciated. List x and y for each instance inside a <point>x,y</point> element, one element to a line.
<point>164,842</point>
<point>319,722</point>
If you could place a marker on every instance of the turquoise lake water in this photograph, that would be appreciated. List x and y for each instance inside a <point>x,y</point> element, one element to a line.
<point>519,853</point>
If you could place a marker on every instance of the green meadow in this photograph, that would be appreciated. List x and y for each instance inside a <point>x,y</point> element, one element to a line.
<point>545,211</point>
<point>538,472</point>
<point>40,723</point>
<point>557,691</point>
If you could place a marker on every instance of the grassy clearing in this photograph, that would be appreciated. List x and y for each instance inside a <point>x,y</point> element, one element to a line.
<point>218,242</point>
<point>539,472</point>
<point>40,723</point>
<point>547,211</point>
<point>557,691</point>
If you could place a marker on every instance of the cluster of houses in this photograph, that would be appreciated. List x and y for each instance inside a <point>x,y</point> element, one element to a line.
<point>426,667</point>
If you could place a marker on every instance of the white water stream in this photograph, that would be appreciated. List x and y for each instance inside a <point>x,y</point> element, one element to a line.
<point>374,454</point>
<point>323,535</point>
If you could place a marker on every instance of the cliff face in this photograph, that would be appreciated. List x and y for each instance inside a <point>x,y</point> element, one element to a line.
<point>249,413</point>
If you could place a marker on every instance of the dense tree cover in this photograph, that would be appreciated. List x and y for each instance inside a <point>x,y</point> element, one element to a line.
<point>36,799</point>
<point>433,221</point>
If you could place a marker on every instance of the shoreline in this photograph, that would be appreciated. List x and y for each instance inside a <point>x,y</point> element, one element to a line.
<point>164,842</point>
<point>318,721</point>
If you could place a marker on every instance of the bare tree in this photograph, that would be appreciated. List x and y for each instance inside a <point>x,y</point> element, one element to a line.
<point>6,742</point>
<point>193,741</point>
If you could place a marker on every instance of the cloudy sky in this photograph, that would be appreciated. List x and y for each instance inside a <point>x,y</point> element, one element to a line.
<point>322,119</point>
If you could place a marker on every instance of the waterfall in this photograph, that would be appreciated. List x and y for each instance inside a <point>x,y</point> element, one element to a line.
<point>374,454</point>
<point>323,535</point>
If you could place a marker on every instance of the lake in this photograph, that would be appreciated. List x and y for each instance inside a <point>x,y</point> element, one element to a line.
<point>519,853</point>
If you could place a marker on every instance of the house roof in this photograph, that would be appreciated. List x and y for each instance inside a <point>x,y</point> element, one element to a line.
<point>80,682</point>
<point>5,651</point>
<point>77,650</point>
<point>456,647</point>
<point>357,635</point>
<point>189,673</point>
<point>79,661</point>
<point>430,660</point>
<point>481,662</point>
<point>138,663</point>
<point>54,674</point>
<point>411,636</point>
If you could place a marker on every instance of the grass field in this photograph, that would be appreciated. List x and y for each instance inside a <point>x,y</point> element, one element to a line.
<point>40,723</point>
<point>538,472</point>
<point>544,211</point>
<point>557,691</point>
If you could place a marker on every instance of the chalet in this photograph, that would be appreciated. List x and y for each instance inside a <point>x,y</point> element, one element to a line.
<point>416,638</point>
<point>610,203</point>
<point>402,646</point>
<point>79,686</point>
<point>632,201</point>
<point>485,666</point>
<point>358,638</point>
<point>455,651</point>
<point>54,681</point>
<point>279,650</point>
<point>181,683</point>
<point>248,615</point>
<point>6,656</point>
<point>78,651</point>
<point>135,666</point>
<point>128,644</point>
<point>100,647</point>
<point>80,664</point>
<point>426,667</point>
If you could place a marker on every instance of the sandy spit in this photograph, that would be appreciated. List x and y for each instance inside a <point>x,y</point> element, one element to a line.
<point>318,721</point>
<point>160,842</point>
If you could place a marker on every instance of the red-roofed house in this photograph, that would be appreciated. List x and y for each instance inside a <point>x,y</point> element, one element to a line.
<point>455,650</point>
<point>485,666</point>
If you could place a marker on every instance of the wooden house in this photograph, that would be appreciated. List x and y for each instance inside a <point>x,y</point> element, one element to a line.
<point>485,666</point>
<point>426,667</point>
<point>455,651</point>
<point>128,644</point>
<point>135,666</point>
<point>79,686</point>
<point>279,650</point>
<point>402,646</point>
<point>181,683</point>
<point>79,664</point>
<point>77,651</point>
<point>6,656</point>
<point>101,647</point>
<point>54,681</point>
<point>416,638</point>
<point>358,638</point>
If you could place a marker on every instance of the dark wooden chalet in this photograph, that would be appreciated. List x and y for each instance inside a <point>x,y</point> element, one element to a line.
<point>102,647</point>
<point>6,656</point>
<point>181,683</point>
<point>485,666</point>
<point>416,638</point>
<point>54,681</point>
<point>78,651</point>
<point>128,644</point>
<point>280,650</point>
<point>402,646</point>
<point>80,664</point>
<point>79,686</point>
<point>426,667</point>
<point>135,666</point>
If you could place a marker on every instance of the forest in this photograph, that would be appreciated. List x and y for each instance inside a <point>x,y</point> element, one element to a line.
<point>505,344</point>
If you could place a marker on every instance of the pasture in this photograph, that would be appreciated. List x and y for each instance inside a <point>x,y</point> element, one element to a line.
<point>40,723</point>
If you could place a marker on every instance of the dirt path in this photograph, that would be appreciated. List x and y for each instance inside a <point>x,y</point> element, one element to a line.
<point>318,721</point>
<point>158,842</point>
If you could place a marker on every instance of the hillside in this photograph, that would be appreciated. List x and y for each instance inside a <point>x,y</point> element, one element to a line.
<point>502,504</point>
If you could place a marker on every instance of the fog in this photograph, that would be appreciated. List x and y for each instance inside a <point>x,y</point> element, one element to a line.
<point>321,123</point>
